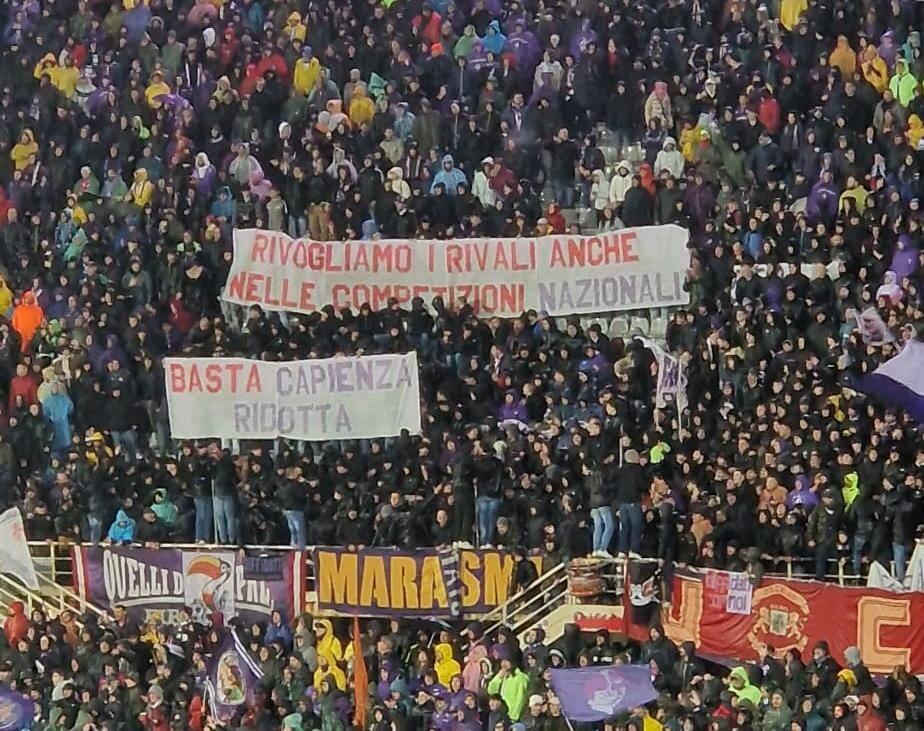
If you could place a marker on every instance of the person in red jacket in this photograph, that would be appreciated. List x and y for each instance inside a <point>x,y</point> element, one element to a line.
<point>868,719</point>
<point>23,383</point>
<point>17,624</point>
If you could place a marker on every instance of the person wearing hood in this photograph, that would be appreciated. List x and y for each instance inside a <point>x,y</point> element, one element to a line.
<point>278,631</point>
<point>165,510</point>
<point>449,176</point>
<point>327,642</point>
<point>463,46</point>
<point>57,409</point>
<point>16,626</point>
<point>27,319</point>
<point>122,529</point>
<point>295,29</point>
<point>511,683</point>
<point>670,159</point>
<point>307,72</point>
<point>843,57</point>
<point>24,150</point>
<point>741,687</point>
<point>446,666</point>
<point>329,671</point>
<point>903,84</point>
<point>658,106</point>
<point>362,108</point>
<point>874,69</point>
<point>494,40</point>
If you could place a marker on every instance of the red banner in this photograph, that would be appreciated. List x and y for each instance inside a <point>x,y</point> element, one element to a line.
<point>797,614</point>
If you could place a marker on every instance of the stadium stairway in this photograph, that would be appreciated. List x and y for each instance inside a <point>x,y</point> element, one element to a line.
<point>54,593</point>
<point>584,590</point>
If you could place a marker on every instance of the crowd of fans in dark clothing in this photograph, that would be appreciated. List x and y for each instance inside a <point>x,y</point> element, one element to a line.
<point>786,136</point>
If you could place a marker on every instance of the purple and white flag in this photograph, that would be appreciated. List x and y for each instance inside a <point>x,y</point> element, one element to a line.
<point>900,381</point>
<point>598,693</point>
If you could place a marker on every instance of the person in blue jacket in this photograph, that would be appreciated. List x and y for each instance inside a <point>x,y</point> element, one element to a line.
<point>122,529</point>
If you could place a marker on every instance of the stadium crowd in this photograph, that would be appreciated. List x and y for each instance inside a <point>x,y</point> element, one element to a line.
<point>787,137</point>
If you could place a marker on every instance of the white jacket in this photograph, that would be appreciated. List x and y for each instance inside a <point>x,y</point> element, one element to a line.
<point>671,161</point>
<point>620,184</point>
<point>481,189</point>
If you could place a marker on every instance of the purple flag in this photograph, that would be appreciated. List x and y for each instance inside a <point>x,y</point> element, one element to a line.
<point>900,381</point>
<point>232,679</point>
<point>594,694</point>
<point>16,710</point>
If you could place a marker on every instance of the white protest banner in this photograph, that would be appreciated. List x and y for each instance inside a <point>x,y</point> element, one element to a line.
<point>328,398</point>
<point>562,275</point>
<point>15,558</point>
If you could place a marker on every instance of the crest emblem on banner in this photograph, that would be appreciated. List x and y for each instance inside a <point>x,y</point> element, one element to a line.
<point>780,617</point>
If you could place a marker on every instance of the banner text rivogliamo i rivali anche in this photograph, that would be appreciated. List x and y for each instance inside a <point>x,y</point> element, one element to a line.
<point>561,275</point>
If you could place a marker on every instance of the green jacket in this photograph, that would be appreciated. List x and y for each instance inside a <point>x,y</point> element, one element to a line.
<point>902,84</point>
<point>512,689</point>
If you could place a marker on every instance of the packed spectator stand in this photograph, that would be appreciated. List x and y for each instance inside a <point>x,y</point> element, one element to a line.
<point>786,136</point>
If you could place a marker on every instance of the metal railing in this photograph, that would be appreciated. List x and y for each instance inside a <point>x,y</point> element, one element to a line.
<point>54,560</point>
<point>51,598</point>
<point>531,603</point>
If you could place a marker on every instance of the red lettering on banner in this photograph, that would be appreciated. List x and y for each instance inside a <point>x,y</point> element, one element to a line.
<point>177,378</point>
<point>338,291</point>
<point>253,284</point>
<point>236,285</point>
<point>626,241</point>
<point>500,257</point>
<point>260,245</point>
<point>430,258</point>
<point>253,380</point>
<point>453,258</point>
<point>268,298</point>
<point>213,378</point>
<point>234,370</point>
<point>558,258</point>
<point>306,299</point>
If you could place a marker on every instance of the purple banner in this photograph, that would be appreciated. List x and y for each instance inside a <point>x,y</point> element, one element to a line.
<point>15,710</point>
<point>233,677</point>
<point>595,694</point>
<point>159,582</point>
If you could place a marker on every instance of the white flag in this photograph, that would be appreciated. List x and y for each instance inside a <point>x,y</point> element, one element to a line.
<point>672,381</point>
<point>15,558</point>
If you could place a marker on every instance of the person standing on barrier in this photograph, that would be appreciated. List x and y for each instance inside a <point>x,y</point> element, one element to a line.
<point>600,511</point>
<point>630,485</point>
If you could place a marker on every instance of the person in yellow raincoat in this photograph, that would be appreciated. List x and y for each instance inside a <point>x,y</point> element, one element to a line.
<point>158,87</point>
<point>307,71</point>
<point>327,642</point>
<point>361,106</point>
<point>689,139</point>
<point>24,150</point>
<point>915,132</point>
<point>843,58</point>
<point>790,10</point>
<point>141,189</point>
<point>47,64</point>
<point>66,78</point>
<point>874,69</point>
<point>6,297</point>
<point>854,192</point>
<point>326,669</point>
<point>295,29</point>
<point>447,667</point>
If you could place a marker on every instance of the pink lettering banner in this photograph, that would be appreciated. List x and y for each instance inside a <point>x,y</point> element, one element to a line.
<point>313,400</point>
<point>561,275</point>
